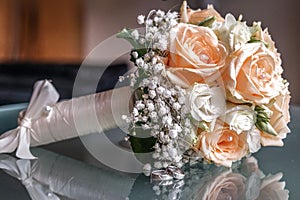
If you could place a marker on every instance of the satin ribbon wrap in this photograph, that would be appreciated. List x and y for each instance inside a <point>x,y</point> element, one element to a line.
<point>46,121</point>
<point>53,175</point>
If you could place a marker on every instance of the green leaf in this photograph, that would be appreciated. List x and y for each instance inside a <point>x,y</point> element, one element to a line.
<point>142,145</point>
<point>141,49</point>
<point>266,127</point>
<point>254,40</point>
<point>207,21</point>
<point>263,120</point>
<point>142,142</point>
<point>203,125</point>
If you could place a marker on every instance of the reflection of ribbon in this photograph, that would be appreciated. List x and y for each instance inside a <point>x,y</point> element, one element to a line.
<point>53,173</point>
<point>44,95</point>
<point>22,170</point>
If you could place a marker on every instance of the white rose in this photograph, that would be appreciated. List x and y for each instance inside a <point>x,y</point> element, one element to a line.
<point>253,140</point>
<point>232,33</point>
<point>239,118</point>
<point>205,103</point>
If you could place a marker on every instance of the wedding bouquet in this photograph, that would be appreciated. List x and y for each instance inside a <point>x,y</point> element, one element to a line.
<point>207,88</point>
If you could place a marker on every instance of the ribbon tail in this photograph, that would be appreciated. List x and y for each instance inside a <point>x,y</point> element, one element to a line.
<point>24,144</point>
<point>37,192</point>
<point>8,163</point>
<point>9,141</point>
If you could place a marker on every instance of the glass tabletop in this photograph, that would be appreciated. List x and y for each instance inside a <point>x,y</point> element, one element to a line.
<point>66,170</point>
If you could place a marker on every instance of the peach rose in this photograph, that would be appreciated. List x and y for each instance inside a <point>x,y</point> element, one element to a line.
<point>265,37</point>
<point>279,120</point>
<point>252,75</point>
<point>195,55</point>
<point>228,185</point>
<point>222,146</point>
<point>196,16</point>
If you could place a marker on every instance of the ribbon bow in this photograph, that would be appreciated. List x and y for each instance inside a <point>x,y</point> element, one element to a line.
<point>44,95</point>
<point>22,170</point>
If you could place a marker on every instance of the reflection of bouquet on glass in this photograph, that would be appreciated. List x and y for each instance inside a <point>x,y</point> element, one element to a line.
<point>54,176</point>
<point>206,87</point>
<point>205,182</point>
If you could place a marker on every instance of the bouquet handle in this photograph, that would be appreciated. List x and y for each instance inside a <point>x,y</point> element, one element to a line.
<point>46,121</point>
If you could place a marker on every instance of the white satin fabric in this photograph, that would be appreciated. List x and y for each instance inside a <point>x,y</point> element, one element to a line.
<point>22,170</point>
<point>46,121</point>
<point>52,175</point>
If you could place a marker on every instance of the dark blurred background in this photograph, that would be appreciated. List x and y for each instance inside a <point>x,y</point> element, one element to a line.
<point>50,38</point>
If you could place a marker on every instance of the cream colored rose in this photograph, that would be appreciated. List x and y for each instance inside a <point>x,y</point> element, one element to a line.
<point>279,120</point>
<point>188,15</point>
<point>232,33</point>
<point>222,146</point>
<point>251,75</point>
<point>205,103</point>
<point>196,56</point>
<point>239,117</point>
<point>272,188</point>
<point>228,185</point>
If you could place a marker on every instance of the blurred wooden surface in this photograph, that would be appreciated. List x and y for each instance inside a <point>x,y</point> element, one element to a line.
<point>41,30</point>
<point>7,33</point>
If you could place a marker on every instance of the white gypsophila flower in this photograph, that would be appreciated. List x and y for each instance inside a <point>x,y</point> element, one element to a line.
<point>150,106</point>
<point>135,34</point>
<point>205,103</point>
<point>153,30</point>
<point>157,165</point>
<point>167,119</point>
<point>158,68</point>
<point>152,94</point>
<point>145,127</point>
<point>253,140</point>
<point>167,93</point>
<point>135,54</point>
<point>232,33</point>
<point>173,133</point>
<point>141,19</point>
<point>140,62</point>
<point>157,19</point>
<point>156,127</point>
<point>176,106</point>
<point>162,111</point>
<point>177,128</point>
<point>139,105</point>
<point>160,13</point>
<point>152,85</point>
<point>172,152</point>
<point>149,22</point>
<point>149,36</point>
<point>144,118</point>
<point>142,41</point>
<point>160,90</point>
<point>153,116</point>
<point>135,112</point>
<point>240,118</point>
